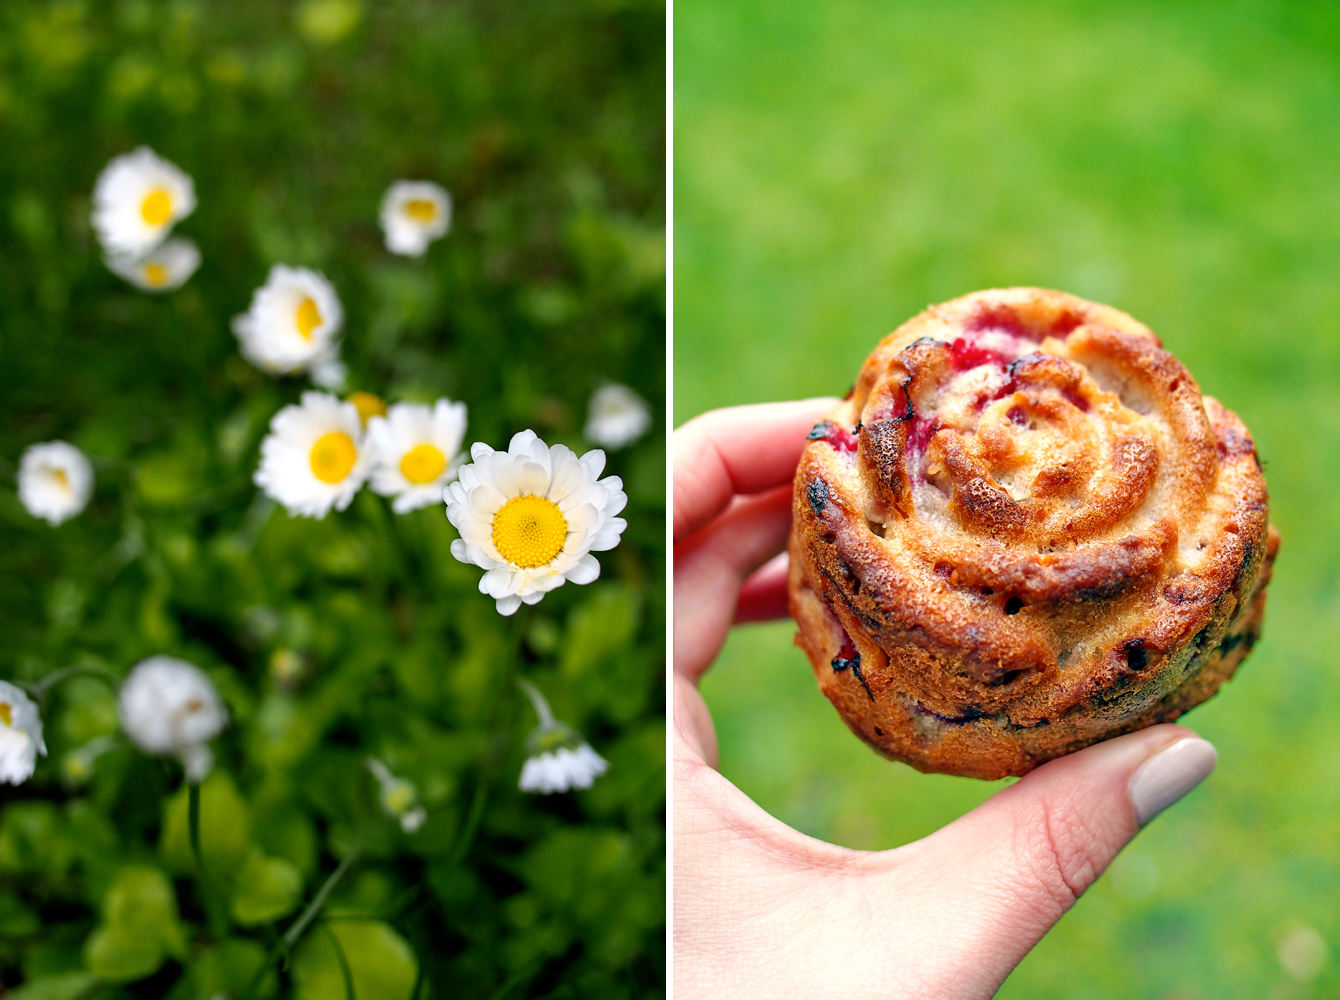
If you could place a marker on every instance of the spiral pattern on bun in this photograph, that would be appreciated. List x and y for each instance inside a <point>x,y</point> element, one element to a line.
<point>1024,531</point>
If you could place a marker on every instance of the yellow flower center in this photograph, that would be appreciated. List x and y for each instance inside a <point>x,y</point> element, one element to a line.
<point>155,275</point>
<point>368,406</point>
<point>529,531</point>
<point>60,477</point>
<point>6,714</point>
<point>308,318</point>
<point>422,464</point>
<point>421,210</point>
<point>333,456</point>
<point>399,798</point>
<point>156,207</point>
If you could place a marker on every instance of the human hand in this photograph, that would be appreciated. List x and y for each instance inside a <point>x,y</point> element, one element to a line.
<point>765,911</point>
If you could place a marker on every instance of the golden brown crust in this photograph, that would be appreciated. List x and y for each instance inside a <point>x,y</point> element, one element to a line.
<point>1023,532</point>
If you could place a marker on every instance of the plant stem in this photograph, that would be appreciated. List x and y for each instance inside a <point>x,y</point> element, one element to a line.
<point>40,689</point>
<point>495,752</point>
<point>193,814</point>
<point>348,974</point>
<point>300,925</point>
<point>537,700</point>
<point>292,935</point>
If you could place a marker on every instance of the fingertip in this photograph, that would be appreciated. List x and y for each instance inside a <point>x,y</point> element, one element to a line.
<point>1170,774</point>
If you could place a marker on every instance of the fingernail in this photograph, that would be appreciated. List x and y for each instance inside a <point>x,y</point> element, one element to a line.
<point>1170,774</point>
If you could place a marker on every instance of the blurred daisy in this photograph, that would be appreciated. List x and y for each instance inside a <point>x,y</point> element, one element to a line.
<point>531,516</point>
<point>168,707</point>
<point>20,735</point>
<point>55,481</point>
<point>314,458</point>
<point>162,269</point>
<point>368,406</point>
<point>329,372</point>
<point>557,758</point>
<point>413,214</point>
<point>616,416</point>
<point>416,450</point>
<point>292,324</point>
<point>399,797</point>
<point>137,200</point>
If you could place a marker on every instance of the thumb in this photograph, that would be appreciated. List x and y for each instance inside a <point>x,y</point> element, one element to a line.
<point>997,879</point>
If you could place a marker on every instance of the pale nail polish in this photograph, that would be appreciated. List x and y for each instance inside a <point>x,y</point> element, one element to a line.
<point>1170,774</point>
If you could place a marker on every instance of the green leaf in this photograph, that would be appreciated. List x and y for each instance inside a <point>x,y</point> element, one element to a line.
<point>381,962</point>
<point>228,967</point>
<point>139,928</point>
<point>601,625</point>
<point>62,986</point>
<point>225,828</point>
<point>265,889</point>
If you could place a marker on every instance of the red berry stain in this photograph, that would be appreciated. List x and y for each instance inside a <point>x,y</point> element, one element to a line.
<point>920,434</point>
<point>1076,400</point>
<point>1017,415</point>
<point>1065,324</point>
<point>847,656</point>
<point>839,437</point>
<point>1000,318</point>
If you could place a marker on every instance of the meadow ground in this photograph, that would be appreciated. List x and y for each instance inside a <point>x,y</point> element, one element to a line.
<point>358,635</point>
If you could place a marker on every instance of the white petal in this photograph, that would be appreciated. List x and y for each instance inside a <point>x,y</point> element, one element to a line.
<point>587,570</point>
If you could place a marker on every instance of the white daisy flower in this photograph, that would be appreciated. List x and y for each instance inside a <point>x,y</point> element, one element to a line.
<point>55,481</point>
<point>558,759</point>
<point>413,214</point>
<point>169,707</point>
<point>531,516</point>
<point>399,797</point>
<point>137,200</point>
<point>292,324</point>
<point>20,735</point>
<point>616,416</point>
<point>314,457</point>
<point>162,269</point>
<point>416,450</point>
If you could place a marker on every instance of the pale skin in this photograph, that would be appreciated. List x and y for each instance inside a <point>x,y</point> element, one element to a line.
<point>762,910</point>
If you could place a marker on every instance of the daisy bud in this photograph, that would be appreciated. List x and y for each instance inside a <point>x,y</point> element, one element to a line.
<point>55,481</point>
<point>617,416</point>
<point>77,765</point>
<point>20,735</point>
<point>169,708</point>
<point>557,758</point>
<point>416,451</point>
<point>531,517</point>
<point>314,458</point>
<point>292,325</point>
<point>137,200</point>
<point>399,798</point>
<point>413,214</point>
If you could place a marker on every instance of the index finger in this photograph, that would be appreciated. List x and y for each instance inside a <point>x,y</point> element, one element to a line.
<point>735,451</point>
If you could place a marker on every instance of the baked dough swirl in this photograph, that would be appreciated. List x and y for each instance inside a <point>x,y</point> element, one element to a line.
<point>1022,532</point>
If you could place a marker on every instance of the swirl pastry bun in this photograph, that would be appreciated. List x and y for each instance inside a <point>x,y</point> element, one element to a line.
<point>1024,531</point>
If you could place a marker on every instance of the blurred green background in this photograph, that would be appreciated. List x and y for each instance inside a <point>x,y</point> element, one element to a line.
<point>839,166</point>
<point>545,120</point>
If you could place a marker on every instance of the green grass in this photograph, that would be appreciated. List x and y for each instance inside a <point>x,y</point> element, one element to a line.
<point>544,119</point>
<point>838,167</point>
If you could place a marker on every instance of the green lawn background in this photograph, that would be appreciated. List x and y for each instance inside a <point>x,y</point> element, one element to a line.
<point>839,166</point>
